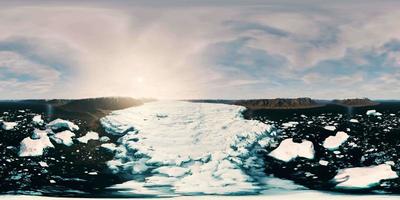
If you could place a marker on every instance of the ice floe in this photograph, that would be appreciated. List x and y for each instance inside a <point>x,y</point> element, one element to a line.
<point>373,113</point>
<point>214,148</point>
<point>89,136</point>
<point>333,142</point>
<point>63,137</point>
<point>289,124</point>
<point>35,147</point>
<point>363,177</point>
<point>62,124</point>
<point>289,150</point>
<point>354,121</point>
<point>330,128</point>
<point>8,125</point>
<point>37,120</point>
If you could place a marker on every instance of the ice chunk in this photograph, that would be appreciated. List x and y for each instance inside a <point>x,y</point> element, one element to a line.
<point>37,120</point>
<point>289,150</point>
<point>323,162</point>
<point>60,124</point>
<point>89,136</point>
<point>8,125</point>
<point>199,147</point>
<point>289,124</point>
<point>363,177</point>
<point>64,137</point>
<point>35,147</point>
<point>43,164</point>
<point>330,128</point>
<point>373,113</point>
<point>104,139</point>
<point>354,121</point>
<point>109,146</point>
<point>333,142</point>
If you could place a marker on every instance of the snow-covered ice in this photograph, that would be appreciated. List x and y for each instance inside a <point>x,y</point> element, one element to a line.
<point>289,150</point>
<point>60,123</point>
<point>35,147</point>
<point>214,148</point>
<point>333,142</point>
<point>363,177</point>
<point>8,125</point>
<point>63,137</point>
<point>89,136</point>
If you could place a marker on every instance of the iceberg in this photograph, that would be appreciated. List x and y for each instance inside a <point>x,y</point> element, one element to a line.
<point>289,150</point>
<point>363,177</point>
<point>62,124</point>
<point>214,147</point>
<point>35,147</point>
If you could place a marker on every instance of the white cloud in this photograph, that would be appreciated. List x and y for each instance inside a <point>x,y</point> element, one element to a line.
<point>101,49</point>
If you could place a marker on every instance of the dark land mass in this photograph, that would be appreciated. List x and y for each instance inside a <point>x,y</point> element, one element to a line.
<point>292,103</point>
<point>355,102</point>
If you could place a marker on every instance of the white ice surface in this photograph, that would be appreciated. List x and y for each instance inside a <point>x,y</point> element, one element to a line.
<point>64,137</point>
<point>333,142</point>
<point>35,147</point>
<point>363,177</point>
<point>8,125</point>
<point>89,136</point>
<point>195,148</point>
<point>289,150</point>
<point>60,123</point>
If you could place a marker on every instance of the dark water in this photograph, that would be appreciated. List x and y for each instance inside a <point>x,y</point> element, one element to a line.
<point>377,140</point>
<point>68,168</point>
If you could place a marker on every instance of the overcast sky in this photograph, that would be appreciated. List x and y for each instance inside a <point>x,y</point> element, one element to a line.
<point>200,49</point>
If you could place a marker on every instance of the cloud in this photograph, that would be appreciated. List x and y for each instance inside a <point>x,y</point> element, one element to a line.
<point>190,49</point>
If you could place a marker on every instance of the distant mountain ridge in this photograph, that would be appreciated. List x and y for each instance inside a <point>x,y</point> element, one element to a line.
<point>292,103</point>
<point>355,102</point>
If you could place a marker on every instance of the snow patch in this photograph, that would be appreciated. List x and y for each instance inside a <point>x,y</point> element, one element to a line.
<point>289,150</point>
<point>363,177</point>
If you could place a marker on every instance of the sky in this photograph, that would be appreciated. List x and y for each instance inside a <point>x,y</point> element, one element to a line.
<point>186,49</point>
